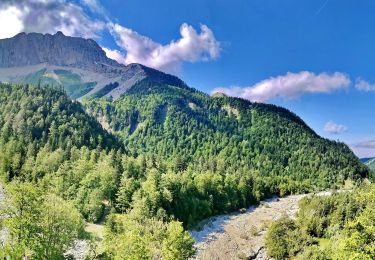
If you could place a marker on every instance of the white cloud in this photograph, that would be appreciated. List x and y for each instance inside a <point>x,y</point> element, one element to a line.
<point>92,4</point>
<point>333,128</point>
<point>191,47</point>
<point>289,86</point>
<point>115,55</point>
<point>364,148</point>
<point>95,7</point>
<point>47,17</point>
<point>11,16</point>
<point>71,17</point>
<point>364,85</point>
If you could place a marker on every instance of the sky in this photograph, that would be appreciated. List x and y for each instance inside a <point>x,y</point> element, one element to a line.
<point>314,57</point>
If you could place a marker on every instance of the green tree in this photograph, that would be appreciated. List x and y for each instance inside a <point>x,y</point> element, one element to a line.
<point>60,224</point>
<point>277,238</point>
<point>43,226</point>
<point>146,238</point>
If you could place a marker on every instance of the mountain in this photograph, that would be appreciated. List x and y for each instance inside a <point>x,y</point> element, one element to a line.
<point>80,65</point>
<point>367,159</point>
<point>229,152</point>
<point>59,50</point>
<point>371,163</point>
<point>33,119</point>
<point>141,146</point>
<point>224,134</point>
<point>221,153</point>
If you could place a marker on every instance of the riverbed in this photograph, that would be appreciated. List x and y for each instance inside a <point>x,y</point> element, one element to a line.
<point>242,235</point>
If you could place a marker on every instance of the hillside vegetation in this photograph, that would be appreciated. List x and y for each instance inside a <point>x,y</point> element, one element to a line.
<point>175,156</point>
<point>61,168</point>
<point>371,164</point>
<point>341,226</point>
<point>227,137</point>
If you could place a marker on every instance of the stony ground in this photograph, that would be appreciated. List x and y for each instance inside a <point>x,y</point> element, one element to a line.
<point>241,236</point>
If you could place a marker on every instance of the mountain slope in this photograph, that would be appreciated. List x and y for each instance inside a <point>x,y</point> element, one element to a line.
<point>371,164</point>
<point>226,135</point>
<point>37,118</point>
<point>79,65</point>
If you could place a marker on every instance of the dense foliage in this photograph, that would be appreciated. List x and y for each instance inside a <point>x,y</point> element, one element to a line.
<point>341,226</point>
<point>371,165</point>
<point>59,167</point>
<point>266,148</point>
<point>37,120</point>
<point>38,224</point>
<point>183,156</point>
<point>145,237</point>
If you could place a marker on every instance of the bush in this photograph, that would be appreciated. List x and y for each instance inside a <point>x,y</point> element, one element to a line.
<point>277,237</point>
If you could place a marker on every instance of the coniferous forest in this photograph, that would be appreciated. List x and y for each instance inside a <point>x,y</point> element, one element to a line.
<point>161,159</point>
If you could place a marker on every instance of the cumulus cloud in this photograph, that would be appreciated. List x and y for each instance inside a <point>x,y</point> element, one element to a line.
<point>115,55</point>
<point>366,144</point>
<point>364,85</point>
<point>95,7</point>
<point>191,47</point>
<point>73,19</point>
<point>47,17</point>
<point>365,148</point>
<point>289,86</point>
<point>333,128</point>
<point>12,17</point>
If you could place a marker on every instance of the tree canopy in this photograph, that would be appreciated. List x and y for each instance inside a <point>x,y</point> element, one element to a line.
<point>161,159</point>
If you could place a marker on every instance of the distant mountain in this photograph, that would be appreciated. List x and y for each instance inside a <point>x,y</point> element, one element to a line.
<point>80,65</point>
<point>365,160</point>
<point>371,163</point>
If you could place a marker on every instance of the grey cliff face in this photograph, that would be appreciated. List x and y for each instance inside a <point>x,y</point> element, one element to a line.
<point>34,57</point>
<point>58,49</point>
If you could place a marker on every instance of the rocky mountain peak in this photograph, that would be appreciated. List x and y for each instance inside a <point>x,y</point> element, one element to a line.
<point>78,64</point>
<point>27,49</point>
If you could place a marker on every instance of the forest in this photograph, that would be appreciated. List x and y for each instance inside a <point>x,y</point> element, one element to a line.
<point>163,159</point>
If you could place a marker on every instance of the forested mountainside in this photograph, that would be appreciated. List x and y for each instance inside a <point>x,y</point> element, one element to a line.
<point>236,154</point>
<point>35,119</point>
<point>225,135</point>
<point>59,168</point>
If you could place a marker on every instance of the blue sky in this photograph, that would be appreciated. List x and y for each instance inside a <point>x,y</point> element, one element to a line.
<point>314,57</point>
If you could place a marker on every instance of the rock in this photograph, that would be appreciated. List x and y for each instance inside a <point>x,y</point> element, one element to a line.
<point>243,210</point>
<point>43,56</point>
<point>58,49</point>
<point>78,250</point>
